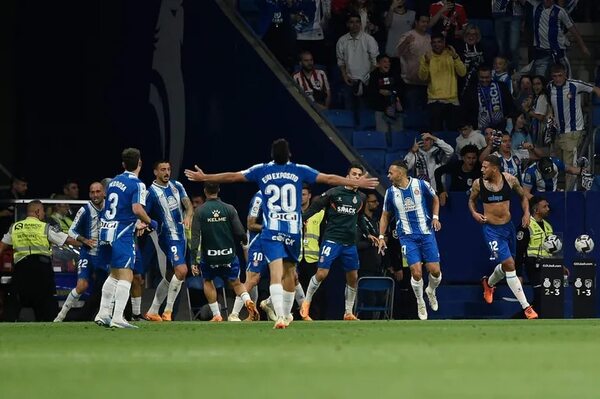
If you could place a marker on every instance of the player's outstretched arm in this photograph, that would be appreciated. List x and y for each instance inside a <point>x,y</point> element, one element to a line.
<point>225,177</point>
<point>335,180</point>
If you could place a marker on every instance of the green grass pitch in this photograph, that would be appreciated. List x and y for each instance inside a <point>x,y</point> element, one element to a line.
<point>369,360</point>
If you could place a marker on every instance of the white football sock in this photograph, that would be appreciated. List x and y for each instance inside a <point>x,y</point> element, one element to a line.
<point>417,287</point>
<point>350,295</point>
<point>515,286</point>
<point>174,287</point>
<point>299,294</point>
<point>496,276</point>
<point>159,296</point>
<point>214,308</point>
<point>69,302</point>
<point>254,293</point>
<point>108,293</point>
<point>245,297</point>
<point>276,291</point>
<point>136,305</point>
<point>434,282</point>
<point>121,298</point>
<point>288,302</point>
<point>237,305</point>
<point>313,286</point>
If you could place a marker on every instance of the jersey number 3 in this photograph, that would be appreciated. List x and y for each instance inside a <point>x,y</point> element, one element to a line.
<point>111,212</point>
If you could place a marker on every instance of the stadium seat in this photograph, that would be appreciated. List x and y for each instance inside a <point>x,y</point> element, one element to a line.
<point>391,156</point>
<point>347,133</point>
<point>340,117</point>
<point>366,120</point>
<point>416,120</point>
<point>196,283</point>
<point>369,140</point>
<point>403,140</point>
<point>374,158</point>
<point>374,285</point>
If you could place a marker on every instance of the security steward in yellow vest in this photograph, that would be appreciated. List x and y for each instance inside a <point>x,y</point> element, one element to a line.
<point>33,275</point>
<point>309,255</point>
<point>529,245</point>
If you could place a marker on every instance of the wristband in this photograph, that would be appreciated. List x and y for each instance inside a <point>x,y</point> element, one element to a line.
<point>436,217</point>
<point>153,224</point>
<point>381,236</point>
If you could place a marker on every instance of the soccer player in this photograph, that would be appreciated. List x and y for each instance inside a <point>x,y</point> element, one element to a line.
<point>124,206</point>
<point>344,206</point>
<point>495,188</point>
<point>257,264</point>
<point>280,182</point>
<point>92,258</point>
<point>217,225</point>
<point>166,202</point>
<point>408,199</point>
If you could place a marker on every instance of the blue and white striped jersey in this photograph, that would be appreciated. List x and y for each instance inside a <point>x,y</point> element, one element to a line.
<point>548,24</point>
<point>164,204</point>
<point>566,104</point>
<point>123,191</point>
<point>410,206</point>
<point>507,8</point>
<point>255,211</point>
<point>511,164</point>
<point>533,179</point>
<point>87,224</point>
<point>281,187</point>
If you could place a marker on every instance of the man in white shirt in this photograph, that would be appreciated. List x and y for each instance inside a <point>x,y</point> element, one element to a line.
<point>469,136</point>
<point>357,53</point>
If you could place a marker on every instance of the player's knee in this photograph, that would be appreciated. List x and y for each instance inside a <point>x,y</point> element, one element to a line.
<point>138,280</point>
<point>82,286</point>
<point>181,271</point>
<point>416,274</point>
<point>321,274</point>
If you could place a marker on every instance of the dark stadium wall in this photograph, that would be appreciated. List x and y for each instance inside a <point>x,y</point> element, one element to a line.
<point>86,69</point>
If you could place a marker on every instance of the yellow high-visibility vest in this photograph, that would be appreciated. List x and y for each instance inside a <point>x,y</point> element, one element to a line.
<point>30,237</point>
<point>537,235</point>
<point>310,241</point>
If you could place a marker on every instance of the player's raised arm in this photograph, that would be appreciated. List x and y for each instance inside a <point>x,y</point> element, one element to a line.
<point>225,177</point>
<point>335,180</point>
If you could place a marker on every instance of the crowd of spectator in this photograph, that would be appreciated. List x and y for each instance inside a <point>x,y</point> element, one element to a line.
<point>399,58</point>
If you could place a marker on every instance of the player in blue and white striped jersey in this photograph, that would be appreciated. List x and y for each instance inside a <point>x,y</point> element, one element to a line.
<point>92,257</point>
<point>122,214</point>
<point>565,98</point>
<point>542,176</point>
<point>280,182</point>
<point>408,201</point>
<point>549,25</point>
<point>166,202</point>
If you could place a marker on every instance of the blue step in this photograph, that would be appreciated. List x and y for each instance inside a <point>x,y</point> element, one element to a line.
<point>369,140</point>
